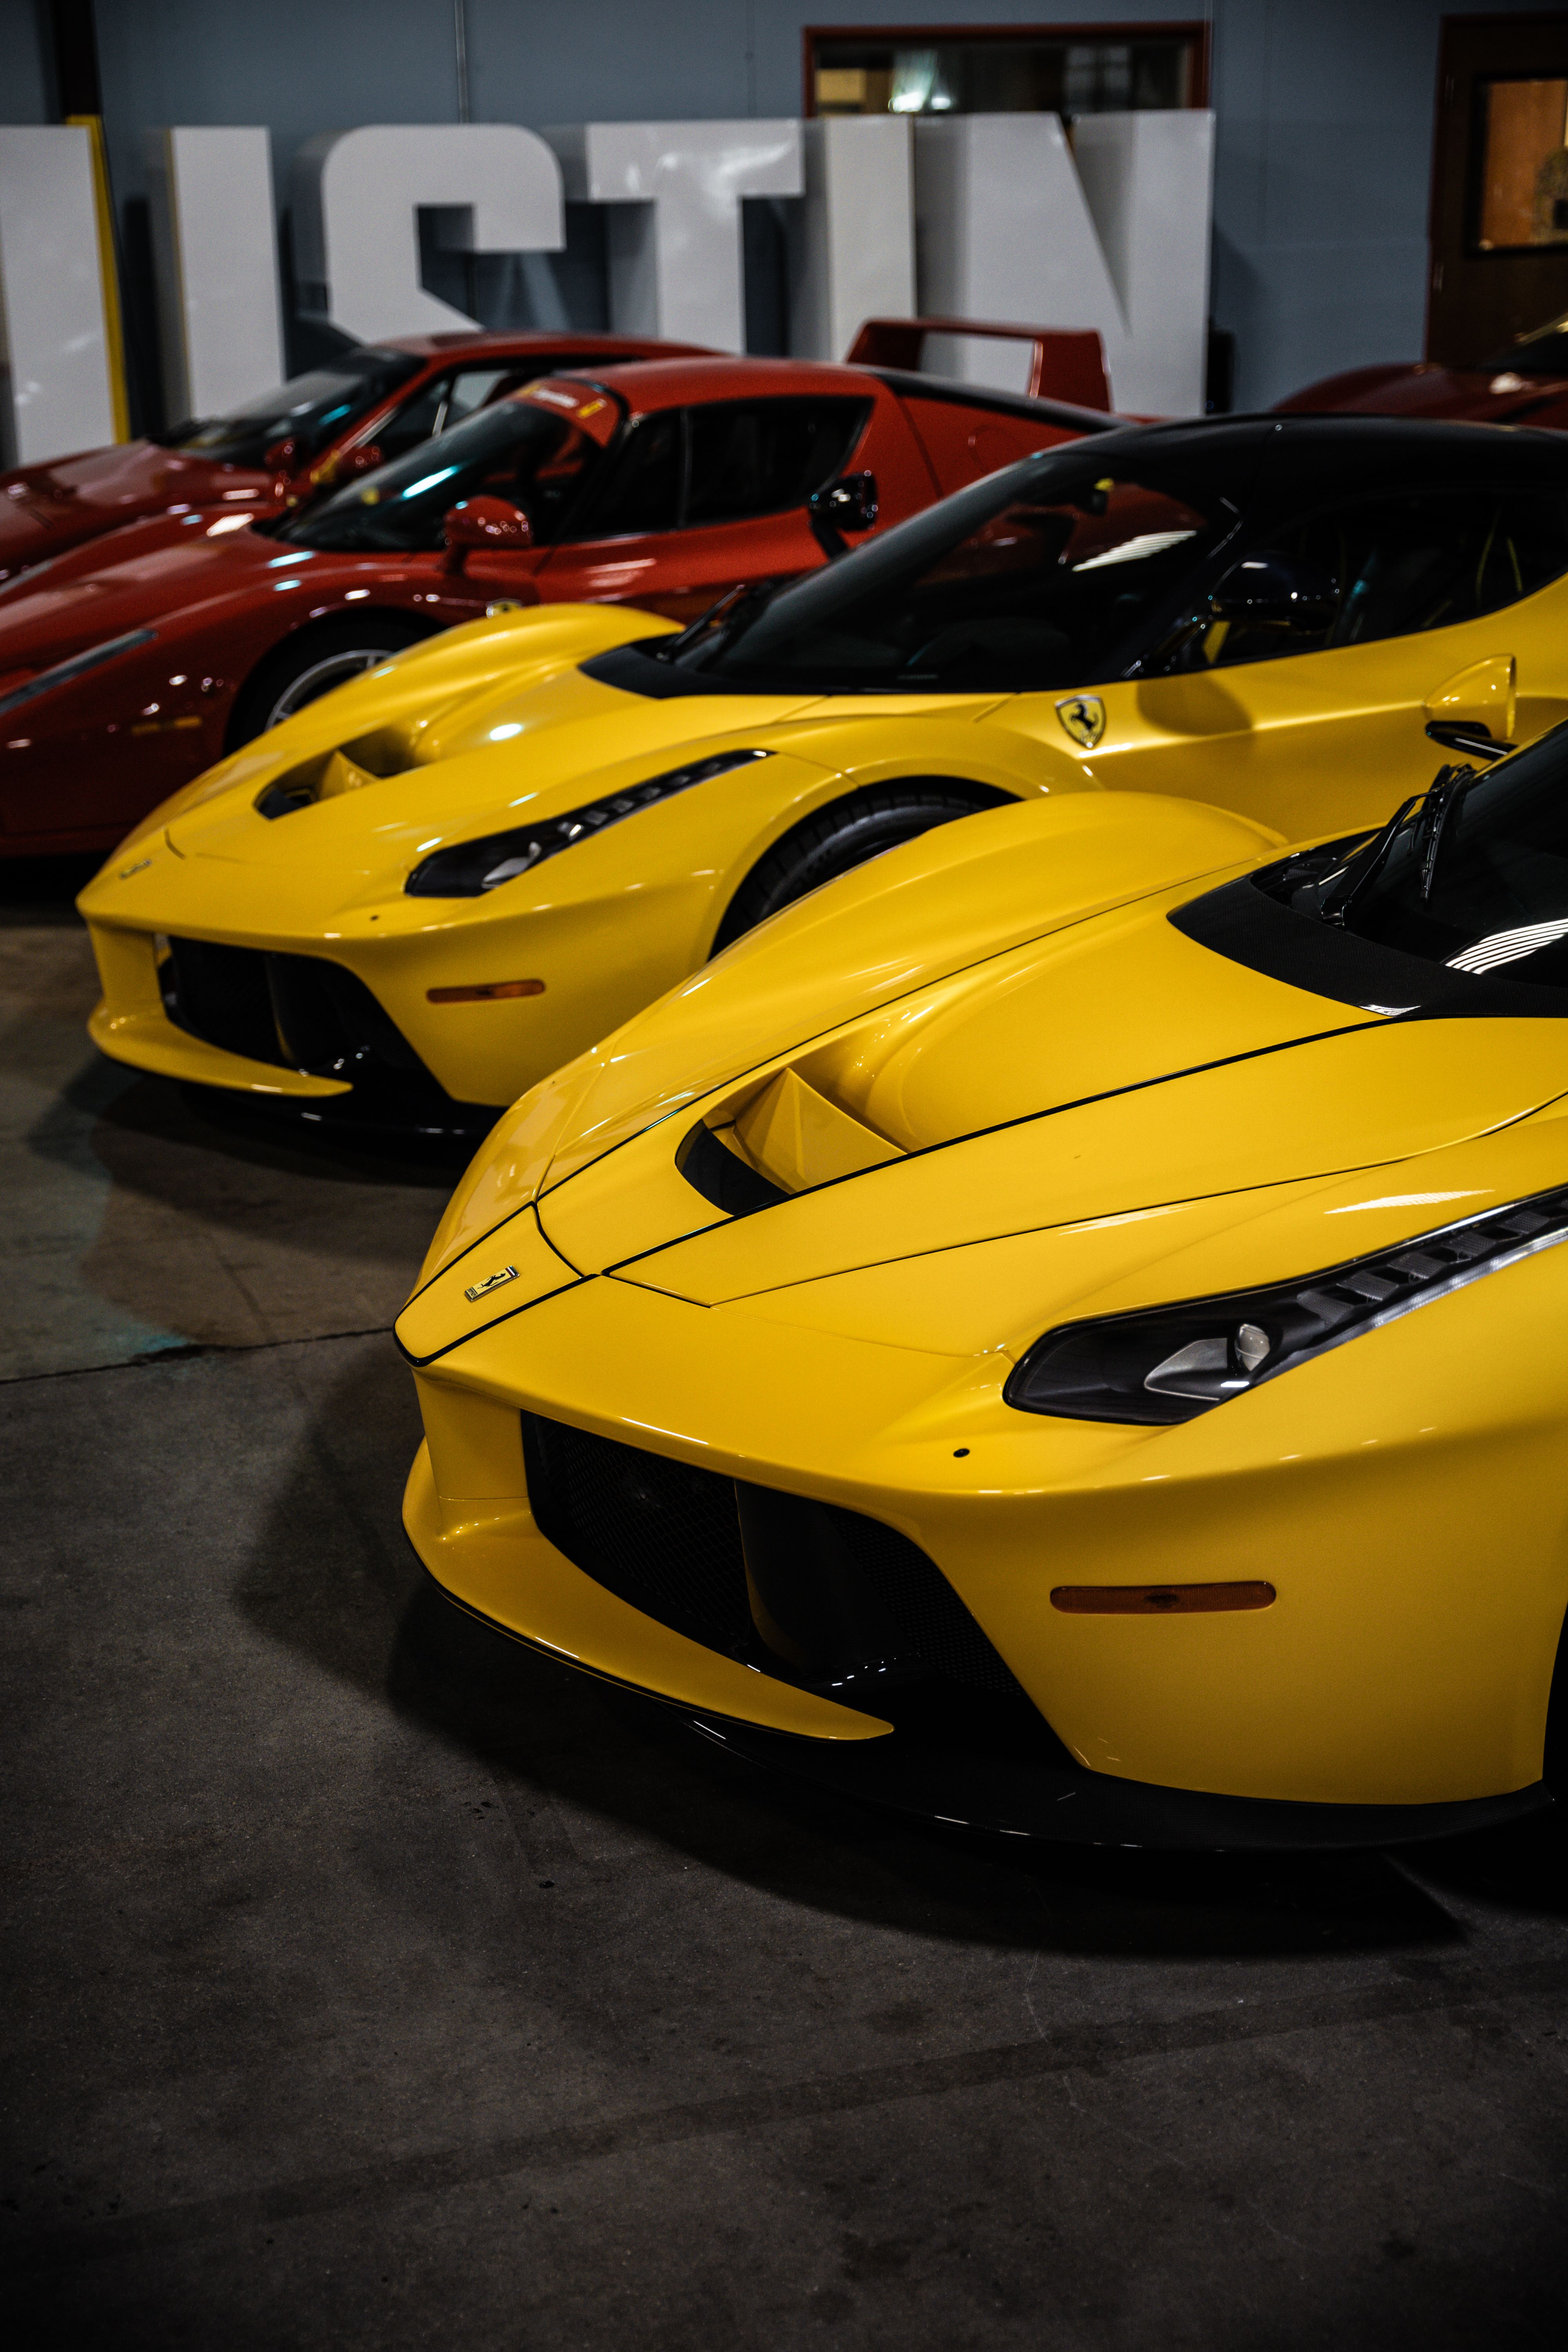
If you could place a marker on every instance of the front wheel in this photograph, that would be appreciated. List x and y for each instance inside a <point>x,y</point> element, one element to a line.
<point>302,670</point>
<point>845,834</point>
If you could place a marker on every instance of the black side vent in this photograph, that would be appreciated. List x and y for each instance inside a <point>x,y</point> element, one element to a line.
<point>730,1183</point>
<point>810,1591</point>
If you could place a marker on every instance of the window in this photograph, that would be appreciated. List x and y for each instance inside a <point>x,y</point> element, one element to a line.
<point>310,410</point>
<point>1523,178</point>
<point>1007,69</point>
<point>642,489</point>
<point>724,463</point>
<point>445,401</point>
<point>535,458</point>
<point>1399,565</point>
<point>761,457</point>
<point>1042,576</point>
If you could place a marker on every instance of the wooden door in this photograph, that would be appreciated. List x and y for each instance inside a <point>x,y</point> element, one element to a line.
<point>1499,185</point>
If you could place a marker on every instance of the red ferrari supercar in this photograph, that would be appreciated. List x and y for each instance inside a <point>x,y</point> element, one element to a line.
<point>1527,383</point>
<point>135,663</point>
<point>357,411</point>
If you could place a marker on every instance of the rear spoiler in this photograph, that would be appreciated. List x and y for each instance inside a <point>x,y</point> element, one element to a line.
<point>1065,363</point>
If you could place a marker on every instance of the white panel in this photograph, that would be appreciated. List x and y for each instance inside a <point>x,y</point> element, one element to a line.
<point>854,254</point>
<point>357,194</point>
<point>1011,229</point>
<point>1148,181</point>
<point>675,248</point>
<point>215,245</point>
<point>52,335</point>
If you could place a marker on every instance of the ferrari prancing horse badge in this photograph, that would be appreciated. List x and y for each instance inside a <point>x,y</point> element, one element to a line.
<point>1083,715</point>
<point>491,1282</point>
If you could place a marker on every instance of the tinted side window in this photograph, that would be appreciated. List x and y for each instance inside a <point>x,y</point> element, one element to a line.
<point>642,489</point>
<point>415,420</point>
<point>1401,565</point>
<point>761,457</point>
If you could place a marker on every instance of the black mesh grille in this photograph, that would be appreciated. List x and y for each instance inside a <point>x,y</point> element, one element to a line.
<point>221,994</point>
<point>932,1623</point>
<point>666,1537</point>
<point>306,1013</point>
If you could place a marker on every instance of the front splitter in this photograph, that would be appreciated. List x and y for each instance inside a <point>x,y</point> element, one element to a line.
<point>1015,1797</point>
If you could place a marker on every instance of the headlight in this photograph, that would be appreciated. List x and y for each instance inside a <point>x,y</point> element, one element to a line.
<point>471,867</point>
<point>1171,1363</point>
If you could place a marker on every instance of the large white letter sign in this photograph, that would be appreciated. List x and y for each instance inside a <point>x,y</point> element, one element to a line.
<point>54,339</point>
<point>1011,227</point>
<point>853,257</point>
<point>357,194</point>
<point>214,247</point>
<point>675,265</point>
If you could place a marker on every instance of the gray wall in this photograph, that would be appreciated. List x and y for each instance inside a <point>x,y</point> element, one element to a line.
<point>1325,112</point>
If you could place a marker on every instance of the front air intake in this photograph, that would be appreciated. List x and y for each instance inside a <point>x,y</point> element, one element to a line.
<point>830,1592</point>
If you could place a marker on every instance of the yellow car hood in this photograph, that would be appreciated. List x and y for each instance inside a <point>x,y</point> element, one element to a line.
<point>1098,1075</point>
<point>480,728</point>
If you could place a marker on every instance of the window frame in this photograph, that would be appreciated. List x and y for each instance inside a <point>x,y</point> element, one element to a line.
<point>1194,30</point>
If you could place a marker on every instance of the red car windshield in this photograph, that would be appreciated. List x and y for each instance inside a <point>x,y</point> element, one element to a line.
<point>310,410</point>
<point>539,459</point>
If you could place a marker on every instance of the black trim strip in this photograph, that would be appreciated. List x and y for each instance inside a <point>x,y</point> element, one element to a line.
<point>63,673</point>
<point>1026,1118</point>
<point>521,1210</point>
<point>1249,926</point>
<point>419,1362</point>
<point>911,384</point>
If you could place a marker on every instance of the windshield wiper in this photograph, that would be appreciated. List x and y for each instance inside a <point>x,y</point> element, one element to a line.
<point>1367,861</point>
<point>1448,789</point>
<point>723,614</point>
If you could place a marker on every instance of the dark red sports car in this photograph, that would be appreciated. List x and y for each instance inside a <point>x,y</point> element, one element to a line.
<point>355,411</point>
<point>1527,383</point>
<point>135,663</point>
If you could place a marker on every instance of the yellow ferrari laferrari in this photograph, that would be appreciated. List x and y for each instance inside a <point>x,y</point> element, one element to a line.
<point>427,890</point>
<point>1062,1332</point>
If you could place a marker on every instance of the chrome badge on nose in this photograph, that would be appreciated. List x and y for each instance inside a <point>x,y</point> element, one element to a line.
<point>491,1282</point>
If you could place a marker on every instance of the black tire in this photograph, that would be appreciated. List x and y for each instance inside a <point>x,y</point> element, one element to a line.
<point>837,838</point>
<point>309,665</point>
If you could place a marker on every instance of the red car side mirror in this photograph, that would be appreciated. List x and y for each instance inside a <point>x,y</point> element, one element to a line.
<point>283,457</point>
<point>483,523</point>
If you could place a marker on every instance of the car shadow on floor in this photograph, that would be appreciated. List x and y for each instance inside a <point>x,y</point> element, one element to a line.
<point>358,1602</point>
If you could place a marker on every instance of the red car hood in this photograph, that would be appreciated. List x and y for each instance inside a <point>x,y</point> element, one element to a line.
<point>45,508</point>
<point>157,572</point>
<point>1422,389</point>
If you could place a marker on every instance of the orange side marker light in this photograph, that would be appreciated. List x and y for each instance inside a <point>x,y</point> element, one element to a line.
<point>1157,1600</point>
<point>485,991</point>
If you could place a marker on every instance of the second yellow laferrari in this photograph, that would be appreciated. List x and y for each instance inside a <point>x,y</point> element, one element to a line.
<point>428,890</point>
<point>1062,1333</point>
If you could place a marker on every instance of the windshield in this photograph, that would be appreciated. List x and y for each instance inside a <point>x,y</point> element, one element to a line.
<point>1476,877</point>
<point>310,409</point>
<point>536,457</point>
<point>1042,575</point>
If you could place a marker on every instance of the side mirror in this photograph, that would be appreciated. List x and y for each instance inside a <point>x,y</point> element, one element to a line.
<point>1270,591</point>
<point>848,504</point>
<point>484,522</point>
<point>283,457</point>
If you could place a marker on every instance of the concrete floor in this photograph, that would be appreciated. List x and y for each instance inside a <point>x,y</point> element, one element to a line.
<point>370,1982</point>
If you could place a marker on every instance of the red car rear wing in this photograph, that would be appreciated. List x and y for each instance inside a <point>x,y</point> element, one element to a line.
<point>1065,363</point>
